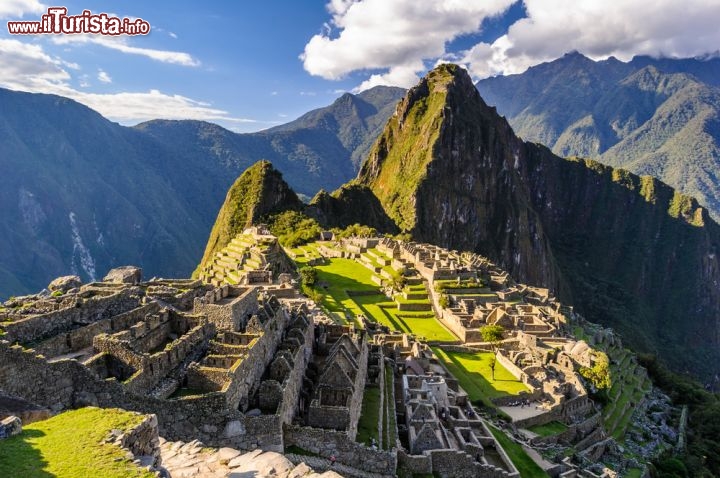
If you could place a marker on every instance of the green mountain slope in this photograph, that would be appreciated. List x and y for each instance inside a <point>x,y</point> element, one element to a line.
<point>82,194</point>
<point>628,251</point>
<point>650,116</point>
<point>321,149</point>
<point>258,192</point>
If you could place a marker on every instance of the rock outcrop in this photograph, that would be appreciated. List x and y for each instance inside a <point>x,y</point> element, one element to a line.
<point>258,192</point>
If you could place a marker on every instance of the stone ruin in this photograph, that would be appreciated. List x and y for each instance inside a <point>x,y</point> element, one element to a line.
<point>440,430</point>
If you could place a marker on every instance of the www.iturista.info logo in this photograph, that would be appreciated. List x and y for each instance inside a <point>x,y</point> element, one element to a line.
<point>57,21</point>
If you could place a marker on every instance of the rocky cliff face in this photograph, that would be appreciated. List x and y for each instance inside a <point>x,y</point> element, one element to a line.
<point>258,192</point>
<point>628,251</point>
<point>446,170</point>
<point>350,204</point>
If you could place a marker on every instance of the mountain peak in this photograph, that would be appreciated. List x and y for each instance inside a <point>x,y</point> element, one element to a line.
<point>258,192</point>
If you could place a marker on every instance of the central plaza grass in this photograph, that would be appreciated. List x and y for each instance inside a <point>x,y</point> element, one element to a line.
<point>71,445</point>
<point>339,276</point>
<point>475,375</point>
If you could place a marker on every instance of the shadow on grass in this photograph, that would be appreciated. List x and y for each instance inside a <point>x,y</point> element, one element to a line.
<point>18,457</point>
<point>478,380</point>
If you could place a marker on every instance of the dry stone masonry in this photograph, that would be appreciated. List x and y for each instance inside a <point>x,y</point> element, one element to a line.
<point>240,359</point>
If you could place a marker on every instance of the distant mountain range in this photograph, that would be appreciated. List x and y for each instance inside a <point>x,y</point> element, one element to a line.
<point>659,117</point>
<point>81,194</point>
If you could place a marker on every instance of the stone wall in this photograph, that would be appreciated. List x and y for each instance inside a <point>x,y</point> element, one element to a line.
<point>57,385</point>
<point>227,307</point>
<point>452,463</point>
<point>574,432</point>
<point>143,440</point>
<point>85,311</point>
<point>246,377</point>
<point>327,443</point>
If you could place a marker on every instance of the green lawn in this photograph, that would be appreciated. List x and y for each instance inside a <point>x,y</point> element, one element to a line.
<point>341,275</point>
<point>475,376</point>
<point>337,277</point>
<point>71,445</point>
<point>549,429</point>
<point>525,465</point>
<point>369,416</point>
<point>423,324</point>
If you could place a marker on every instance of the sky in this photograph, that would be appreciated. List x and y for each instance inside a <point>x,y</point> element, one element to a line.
<point>252,65</point>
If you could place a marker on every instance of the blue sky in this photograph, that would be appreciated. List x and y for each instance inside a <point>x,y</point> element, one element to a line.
<point>251,65</point>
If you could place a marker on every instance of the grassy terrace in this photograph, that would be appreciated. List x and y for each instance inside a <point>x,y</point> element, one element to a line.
<point>71,445</point>
<point>525,465</point>
<point>549,429</point>
<point>340,276</point>
<point>423,324</point>
<point>369,416</point>
<point>475,376</point>
<point>389,437</point>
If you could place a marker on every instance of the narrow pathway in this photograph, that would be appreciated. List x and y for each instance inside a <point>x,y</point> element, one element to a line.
<point>193,460</point>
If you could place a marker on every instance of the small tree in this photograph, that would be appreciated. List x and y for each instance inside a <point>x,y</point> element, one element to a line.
<point>493,334</point>
<point>599,374</point>
<point>308,275</point>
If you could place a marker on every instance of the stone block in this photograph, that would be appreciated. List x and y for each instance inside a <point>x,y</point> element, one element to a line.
<point>10,427</point>
<point>124,275</point>
<point>65,283</point>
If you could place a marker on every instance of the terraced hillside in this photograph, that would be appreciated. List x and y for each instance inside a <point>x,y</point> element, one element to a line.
<point>630,386</point>
<point>355,283</point>
<point>243,254</point>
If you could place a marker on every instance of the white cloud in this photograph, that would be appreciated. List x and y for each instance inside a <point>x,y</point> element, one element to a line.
<point>392,35</point>
<point>172,35</point>
<point>400,37</point>
<point>104,77</point>
<point>18,8</point>
<point>600,29</point>
<point>27,67</point>
<point>122,44</point>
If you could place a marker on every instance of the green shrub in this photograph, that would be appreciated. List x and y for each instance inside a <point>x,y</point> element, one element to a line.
<point>294,228</point>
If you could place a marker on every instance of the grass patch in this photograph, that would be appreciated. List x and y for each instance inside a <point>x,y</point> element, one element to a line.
<point>389,438</point>
<point>337,277</point>
<point>549,429</point>
<point>71,445</point>
<point>296,450</point>
<point>634,473</point>
<point>525,465</point>
<point>369,416</point>
<point>424,324</point>
<point>475,376</point>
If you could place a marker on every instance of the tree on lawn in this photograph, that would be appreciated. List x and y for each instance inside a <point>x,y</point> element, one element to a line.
<point>308,275</point>
<point>493,334</point>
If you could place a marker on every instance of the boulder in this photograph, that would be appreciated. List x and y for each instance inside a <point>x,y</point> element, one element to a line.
<point>124,275</point>
<point>10,427</point>
<point>65,283</point>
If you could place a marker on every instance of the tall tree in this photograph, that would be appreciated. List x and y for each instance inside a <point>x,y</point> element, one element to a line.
<point>493,334</point>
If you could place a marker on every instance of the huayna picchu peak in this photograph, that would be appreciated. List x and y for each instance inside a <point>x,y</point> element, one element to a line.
<point>628,250</point>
